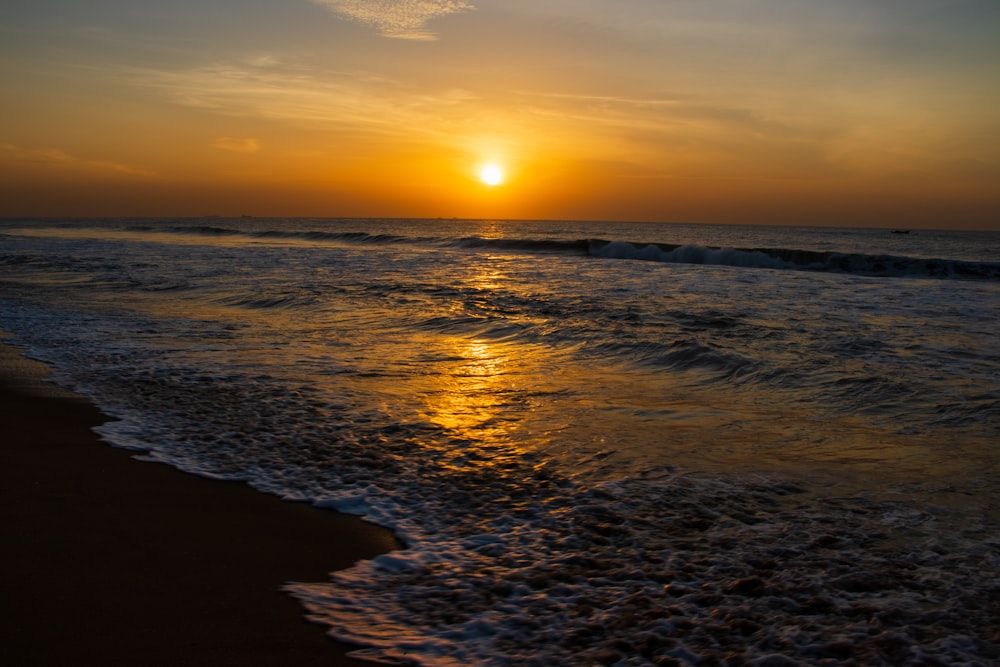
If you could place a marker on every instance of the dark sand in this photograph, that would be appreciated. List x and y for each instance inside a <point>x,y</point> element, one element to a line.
<point>111,561</point>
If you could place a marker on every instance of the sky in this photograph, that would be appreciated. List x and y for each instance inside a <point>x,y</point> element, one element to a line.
<point>813,112</point>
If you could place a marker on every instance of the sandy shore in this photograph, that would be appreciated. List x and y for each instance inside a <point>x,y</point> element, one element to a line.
<point>112,561</point>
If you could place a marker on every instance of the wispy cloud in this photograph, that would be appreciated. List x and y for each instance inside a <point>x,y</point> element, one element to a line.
<point>54,158</point>
<point>402,19</point>
<point>355,102</point>
<point>237,145</point>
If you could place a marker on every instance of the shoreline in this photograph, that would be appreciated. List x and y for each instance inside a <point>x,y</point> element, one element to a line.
<point>110,560</point>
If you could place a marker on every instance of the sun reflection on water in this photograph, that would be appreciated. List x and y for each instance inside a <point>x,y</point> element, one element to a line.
<point>468,398</point>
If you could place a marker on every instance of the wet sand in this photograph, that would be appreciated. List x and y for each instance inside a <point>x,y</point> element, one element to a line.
<point>107,560</point>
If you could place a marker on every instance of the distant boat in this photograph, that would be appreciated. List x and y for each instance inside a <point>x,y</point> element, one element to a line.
<point>901,231</point>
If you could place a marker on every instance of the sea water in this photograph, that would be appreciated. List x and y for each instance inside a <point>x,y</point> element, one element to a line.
<point>602,443</point>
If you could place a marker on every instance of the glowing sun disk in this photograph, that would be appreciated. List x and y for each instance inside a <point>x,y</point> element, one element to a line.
<point>491,174</point>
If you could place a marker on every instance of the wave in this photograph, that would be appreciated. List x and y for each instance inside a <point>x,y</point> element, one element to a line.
<point>802,260</point>
<point>878,265</point>
<point>278,301</point>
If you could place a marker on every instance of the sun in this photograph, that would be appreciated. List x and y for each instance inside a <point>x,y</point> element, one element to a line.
<point>491,175</point>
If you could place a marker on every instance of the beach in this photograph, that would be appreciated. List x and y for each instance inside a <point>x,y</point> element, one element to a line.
<point>113,561</point>
<point>679,443</point>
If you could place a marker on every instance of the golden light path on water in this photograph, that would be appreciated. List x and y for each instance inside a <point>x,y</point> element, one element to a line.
<point>469,393</point>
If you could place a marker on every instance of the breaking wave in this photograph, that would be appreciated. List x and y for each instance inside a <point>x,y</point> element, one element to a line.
<point>803,260</point>
<point>881,265</point>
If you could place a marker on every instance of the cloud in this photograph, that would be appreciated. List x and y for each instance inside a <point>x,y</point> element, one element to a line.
<point>354,103</point>
<point>53,158</point>
<point>235,145</point>
<point>402,19</point>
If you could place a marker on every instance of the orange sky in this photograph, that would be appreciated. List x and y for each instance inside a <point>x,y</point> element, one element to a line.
<point>746,111</point>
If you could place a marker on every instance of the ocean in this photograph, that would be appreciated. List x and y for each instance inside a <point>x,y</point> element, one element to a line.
<point>601,443</point>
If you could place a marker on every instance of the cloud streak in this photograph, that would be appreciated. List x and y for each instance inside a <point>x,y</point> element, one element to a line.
<point>356,103</point>
<point>400,19</point>
<point>54,158</point>
<point>236,145</point>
